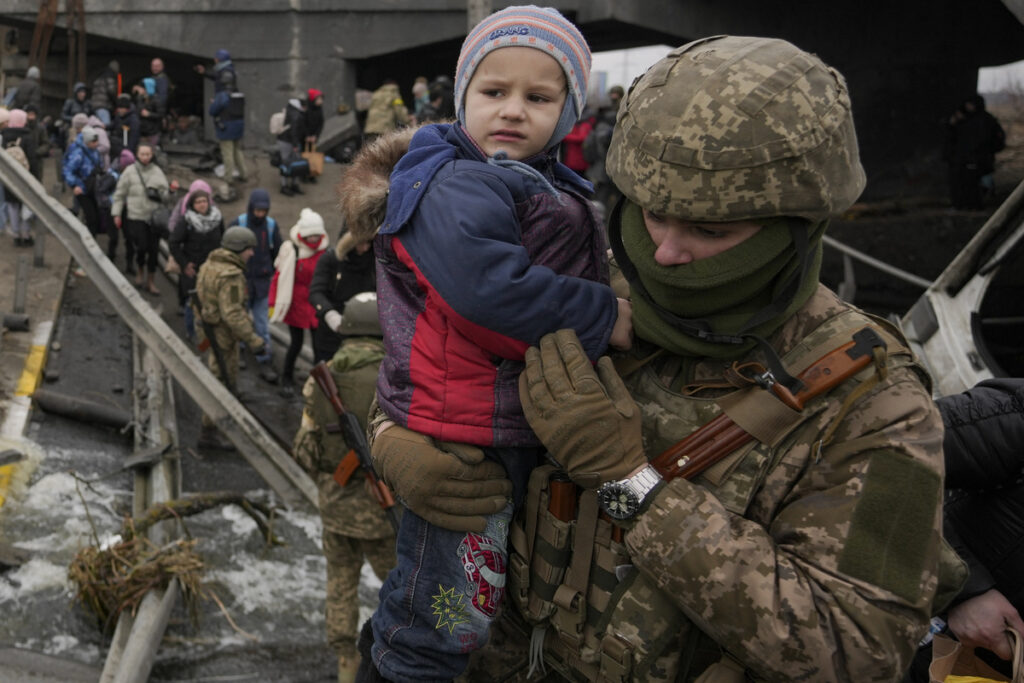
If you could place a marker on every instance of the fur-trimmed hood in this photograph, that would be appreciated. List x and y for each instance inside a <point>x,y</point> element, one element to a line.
<point>363,190</point>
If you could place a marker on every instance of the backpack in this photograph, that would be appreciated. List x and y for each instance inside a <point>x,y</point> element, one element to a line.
<point>277,122</point>
<point>595,145</point>
<point>243,221</point>
<point>17,153</point>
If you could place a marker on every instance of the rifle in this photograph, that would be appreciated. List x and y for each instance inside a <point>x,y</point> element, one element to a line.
<point>721,436</point>
<point>211,341</point>
<point>359,455</point>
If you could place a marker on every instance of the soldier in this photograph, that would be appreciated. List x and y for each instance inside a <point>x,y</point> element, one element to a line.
<point>220,288</point>
<point>811,552</point>
<point>354,526</point>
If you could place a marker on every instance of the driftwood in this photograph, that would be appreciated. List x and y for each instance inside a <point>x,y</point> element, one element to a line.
<point>116,577</point>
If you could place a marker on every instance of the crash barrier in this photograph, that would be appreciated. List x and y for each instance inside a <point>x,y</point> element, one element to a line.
<point>253,441</point>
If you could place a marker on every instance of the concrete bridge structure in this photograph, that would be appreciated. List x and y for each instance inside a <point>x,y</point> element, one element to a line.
<point>908,63</point>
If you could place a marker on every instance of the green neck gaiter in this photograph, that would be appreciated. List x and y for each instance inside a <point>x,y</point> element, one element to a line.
<point>724,291</point>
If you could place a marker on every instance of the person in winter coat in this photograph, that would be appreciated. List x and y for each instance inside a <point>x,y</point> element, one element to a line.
<point>261,266</point>
<point>973,136</point>
<point>220,288</point>
<point>488,243</point>
<point>572,147</point>
<point>123,162</point>
<point>983,517</point>
<point>340,274</point>
<point>78,103</point>
<point>228,112</point>
<point>82,166</point>
<point>813,549</point>
<point>151,113</point>
<point>17,134</point>
<point>223,73</point>
<point>387,111</point>
<point>105,89</point>
<point>163,86</point>
<point>125,128</point>
<point>29,91</point>
<point>104,147</point>
<point>197,234</point>
<point>41,139</point>
<point>289,289</point>
<point>178,213</point>
<point>141,189</point>
<point>289,145</point>
<point>314,123</point>
<point>355,527</point>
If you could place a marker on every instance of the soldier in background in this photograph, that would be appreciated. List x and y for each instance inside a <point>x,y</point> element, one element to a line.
<point>354,525</point>
<point>220,287</point>
<point>814,552</point>
<point>387,111</point>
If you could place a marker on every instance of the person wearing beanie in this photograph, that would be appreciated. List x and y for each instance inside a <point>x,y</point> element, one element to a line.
<point>314,124</point>
<point>220,288</point>
<point>29,90</point>
<point>125,127</point>
<point>228,112</point>
<point>40,137</point>
<point>487,244</point>
<point>289,288</point>
<point>197,233</point>
<point>261,268</point>
<point>223,73</point>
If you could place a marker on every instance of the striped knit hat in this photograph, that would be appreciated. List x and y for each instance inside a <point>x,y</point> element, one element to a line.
<point>542,28</point>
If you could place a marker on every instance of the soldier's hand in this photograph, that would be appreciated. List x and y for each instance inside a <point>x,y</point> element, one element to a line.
<point>449,485</point>
<point>586,419</point>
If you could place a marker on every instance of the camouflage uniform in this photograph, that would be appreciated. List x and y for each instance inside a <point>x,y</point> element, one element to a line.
<point>220,286</point>
<point>354,526</point>
<point>387,111</point>
<point>814,555</point>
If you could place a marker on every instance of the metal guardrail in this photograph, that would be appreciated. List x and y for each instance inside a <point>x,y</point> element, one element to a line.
<point>869,260</point>
<point>253,441</point>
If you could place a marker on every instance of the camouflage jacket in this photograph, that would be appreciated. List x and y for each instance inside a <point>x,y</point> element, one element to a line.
<point>802,562</point>
<point>350,510</point>
<point>220,286</point>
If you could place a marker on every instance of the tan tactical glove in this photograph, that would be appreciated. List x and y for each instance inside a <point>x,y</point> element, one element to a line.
<point>449,485</point>
<point>586,419</point>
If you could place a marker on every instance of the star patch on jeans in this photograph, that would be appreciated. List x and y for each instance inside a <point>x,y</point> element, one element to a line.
<point>449,609</point>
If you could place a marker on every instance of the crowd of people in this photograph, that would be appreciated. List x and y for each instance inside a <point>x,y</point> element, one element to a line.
<point>537,372</point>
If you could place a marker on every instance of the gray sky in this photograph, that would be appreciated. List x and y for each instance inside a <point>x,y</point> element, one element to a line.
<point>622,66</point>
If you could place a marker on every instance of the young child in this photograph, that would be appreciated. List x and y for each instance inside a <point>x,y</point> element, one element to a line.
<point>488,244</point>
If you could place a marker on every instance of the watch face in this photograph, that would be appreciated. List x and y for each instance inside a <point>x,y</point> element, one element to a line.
<point>618,501</point>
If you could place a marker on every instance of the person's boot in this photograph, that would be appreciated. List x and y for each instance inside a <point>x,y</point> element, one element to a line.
<point>151,283</point>
<point>210,437</point>
<point>287,389</point>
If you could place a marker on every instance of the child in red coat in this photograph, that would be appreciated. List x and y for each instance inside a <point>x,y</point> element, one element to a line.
<point>289,290</point>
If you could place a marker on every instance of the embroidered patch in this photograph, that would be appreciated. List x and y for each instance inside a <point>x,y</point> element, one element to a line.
<point>449,609</point>
<point>484,562</point>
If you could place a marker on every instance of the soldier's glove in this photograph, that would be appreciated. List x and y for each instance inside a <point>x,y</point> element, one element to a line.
<point>449,485</point>
<point>586,419</point>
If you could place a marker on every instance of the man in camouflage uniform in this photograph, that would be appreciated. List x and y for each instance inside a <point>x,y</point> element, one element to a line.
<point>387,111</point>
<point>220,286</point>
<point>814,551</point>
<point>354,525</point>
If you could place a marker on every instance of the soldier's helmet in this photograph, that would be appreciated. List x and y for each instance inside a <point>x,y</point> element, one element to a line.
<point>238,239</point>
<point>360,317</point>
<point>734,128</point>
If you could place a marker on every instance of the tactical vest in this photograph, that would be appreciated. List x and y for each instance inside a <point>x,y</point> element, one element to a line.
<point>572,578</point>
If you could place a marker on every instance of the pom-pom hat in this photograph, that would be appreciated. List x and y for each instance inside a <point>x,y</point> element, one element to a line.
<point>543,28</point>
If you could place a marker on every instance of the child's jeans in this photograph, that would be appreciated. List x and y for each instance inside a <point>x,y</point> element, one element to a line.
<point>437,604</point>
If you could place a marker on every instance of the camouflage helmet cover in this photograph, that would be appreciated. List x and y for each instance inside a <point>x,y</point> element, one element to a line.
<point>238,239</point>
<point>360,317</point>
<point>733,128</point>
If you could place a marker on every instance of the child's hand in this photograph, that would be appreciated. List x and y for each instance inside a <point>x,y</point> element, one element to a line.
<point>622,332</point>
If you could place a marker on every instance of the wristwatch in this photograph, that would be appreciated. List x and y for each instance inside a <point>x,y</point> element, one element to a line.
<point>622,499</point>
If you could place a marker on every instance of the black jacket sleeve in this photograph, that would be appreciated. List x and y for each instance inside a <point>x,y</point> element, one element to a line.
<point>984,434</point>
<point>321,288</point>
